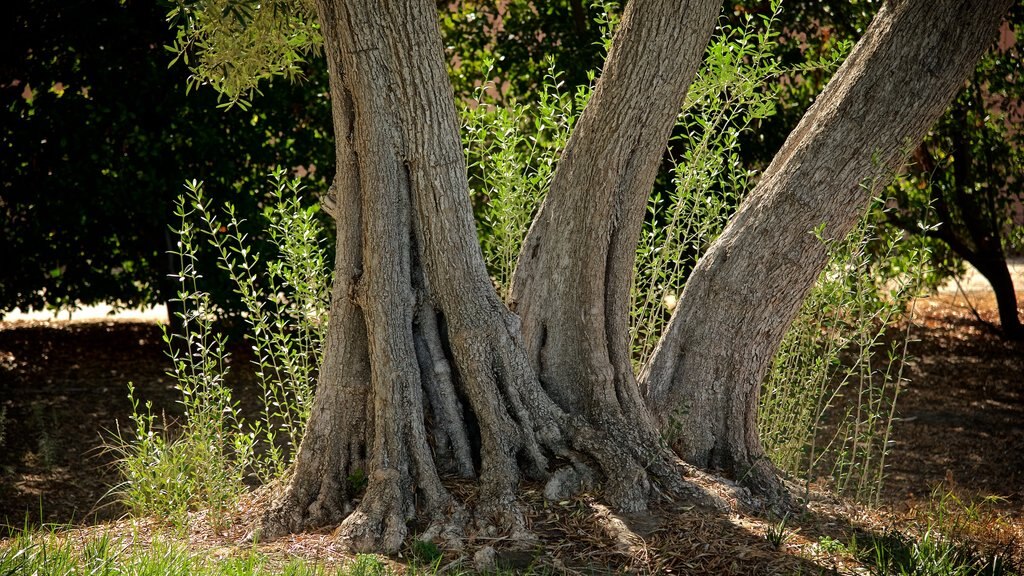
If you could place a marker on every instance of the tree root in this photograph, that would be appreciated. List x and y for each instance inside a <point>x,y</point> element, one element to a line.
<point>378,524</point>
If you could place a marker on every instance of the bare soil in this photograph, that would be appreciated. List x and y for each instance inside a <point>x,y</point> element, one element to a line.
<point>63,394</point>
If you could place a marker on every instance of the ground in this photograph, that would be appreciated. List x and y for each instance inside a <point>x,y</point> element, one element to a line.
<point>960,428</point>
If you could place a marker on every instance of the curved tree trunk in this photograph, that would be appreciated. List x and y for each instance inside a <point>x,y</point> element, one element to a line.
<point>572,283</point>
<point>421,350</point>
<point>706,373</point>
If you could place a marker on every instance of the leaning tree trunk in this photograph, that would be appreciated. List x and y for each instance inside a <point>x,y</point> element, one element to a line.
<point>425,371</point>
<point>572,283</point>
<point>706,373</point>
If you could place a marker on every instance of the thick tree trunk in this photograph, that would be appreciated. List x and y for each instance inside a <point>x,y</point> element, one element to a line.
<point>421,350</point>
<point>706,373</point>
<point>572,283</point>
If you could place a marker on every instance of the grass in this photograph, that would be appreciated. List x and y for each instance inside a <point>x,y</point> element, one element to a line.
<point>830,537</point>
<point>59,553</point>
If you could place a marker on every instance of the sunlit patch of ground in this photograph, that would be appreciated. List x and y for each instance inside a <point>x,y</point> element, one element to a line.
<point>961,429</point>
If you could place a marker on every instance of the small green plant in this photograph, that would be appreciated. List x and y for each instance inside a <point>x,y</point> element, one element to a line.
<point>831,545</point>
<point>896,553</point>
<point>201,462</point>
<point>287,303</point>
<point>840,366</point>
<point>49,554</point>
<point>777,534</point>
<point>368,565</point>
<point>939,541</point>
<point>357,481</point>
<point>425,553</point>
<point>511,152</point>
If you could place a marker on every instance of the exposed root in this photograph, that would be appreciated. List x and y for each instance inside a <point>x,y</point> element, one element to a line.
<point>379,522</point>
<point>503,517</point>
<point>615,527</point>
<point>447,529</point>
<point>769,486</point>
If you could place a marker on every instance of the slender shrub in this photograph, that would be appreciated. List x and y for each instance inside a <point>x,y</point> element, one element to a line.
<point>828,403</point>
<point>511,151</point>
<point>201,462</point>
<point>286,299</point>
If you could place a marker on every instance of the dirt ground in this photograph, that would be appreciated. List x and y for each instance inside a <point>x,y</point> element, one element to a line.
<point>63,394</point>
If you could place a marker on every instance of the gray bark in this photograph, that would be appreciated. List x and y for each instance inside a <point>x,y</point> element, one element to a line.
<point>421,350</point>
<point>705,375</point>
<point>572,283</point>
<point>421,347</point>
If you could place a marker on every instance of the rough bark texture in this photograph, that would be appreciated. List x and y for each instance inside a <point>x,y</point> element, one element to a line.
<point>336,443</point>
<point>571,286</point>
<point>572,283</point>
<point>423,358</point>
<point>705,376</point>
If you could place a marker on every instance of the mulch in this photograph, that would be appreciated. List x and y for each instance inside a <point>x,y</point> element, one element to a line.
<point>960,429</point>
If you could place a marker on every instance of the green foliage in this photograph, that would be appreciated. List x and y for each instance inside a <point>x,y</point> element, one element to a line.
<point>106,555</point>
<point>840,366</point>
<point>807,31</point>
<point>95,128</point>
<point>510,46</point>
<point>425,553</point>
<point>45,424</point>
<point>233,45</point>
<point>57,554</point>
<point>204,464</point>
<point>731,94</point>
<point>368,565</point>
<point>511,151</point>
<point>937,547</point>
<point>777,534</point>
<point>286,304</point>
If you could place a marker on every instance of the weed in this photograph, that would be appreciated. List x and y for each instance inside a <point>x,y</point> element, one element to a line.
<point>203,464</point>
<point>425,553</point>
<point>777,534</point>
<point>836,369</point>
<point>896,553</point>
<point>368,565</point>
<point>511,152</point>
<point>831,545</point>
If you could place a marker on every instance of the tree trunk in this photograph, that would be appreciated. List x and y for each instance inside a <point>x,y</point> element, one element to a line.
<point>572,283</point>
<point>705,375</point>
<point>422,355</point>
<point>993,267</point>
<point>427,374</point>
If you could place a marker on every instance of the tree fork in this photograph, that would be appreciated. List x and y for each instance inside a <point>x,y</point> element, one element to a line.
<point>745,292</point>
<point>423,327</point>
